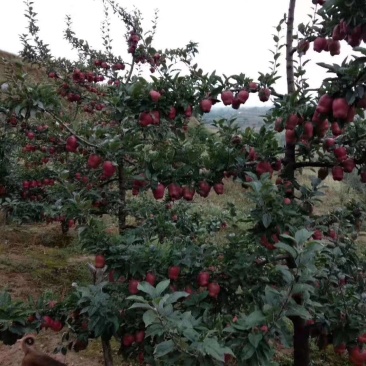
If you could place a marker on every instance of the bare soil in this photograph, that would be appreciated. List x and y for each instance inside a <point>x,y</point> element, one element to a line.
<point>35,259</point>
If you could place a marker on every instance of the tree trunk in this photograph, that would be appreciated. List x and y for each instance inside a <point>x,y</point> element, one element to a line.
<point>107,353</point>
<point>301,342</point>
<point>301,332</point>
<point>122,198</point>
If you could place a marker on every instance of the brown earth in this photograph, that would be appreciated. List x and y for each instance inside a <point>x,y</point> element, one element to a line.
<point>35,259</point>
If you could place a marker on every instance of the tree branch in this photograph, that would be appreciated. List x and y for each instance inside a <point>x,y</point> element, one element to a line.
<point>63,124</point>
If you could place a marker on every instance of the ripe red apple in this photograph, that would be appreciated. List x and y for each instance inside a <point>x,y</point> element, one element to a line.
<point>151,278</point>
<point>337,173</point>
<point>206,105</point>
<point>145,119</point>
<point>155,96</point>
<point>243,96</point>
<point>94,161</point>
<point>203,279</point>
<point>319,44</point>
<point>340,153</point>
<point>214,289</point>
<point>317,235</point>
<point>204,189</point>
<point>132,287</point>
<point>336,130</point>
<point>278,125</point>
<point>340,108</point>
<point>308,130</point>
<point>253,156</point>
<point>172,113</point>
<point>292,122</point>
<point>253,87</point>
<point>325,104</point>
<point>173,273</point>
<point>348,165</point>
<point>334,47</point>
<point>188,112</point>
<point>188,193</point>
<point>108,169</point>
<point>287,201</point>
<point>291,137</point>
<point>235,104</point>
<point>264,167</point>
<point>175,191</point>
<point>219,188</point>
<point>227,97</point>
<point>72,141</point>
<point>159,191</point>
<point>128,340</point>
<point>264,94</point>
<point>140,336</point>
<point>99,261</point>
<point>57,325</point>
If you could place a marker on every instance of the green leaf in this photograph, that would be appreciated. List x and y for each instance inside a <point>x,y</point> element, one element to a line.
<point>161,287</point>
<point>286,274</point>
<point>147,288</point>
<point>287,248</point>
<point>164,348</point>
<point>302,236</point>
<point>174,297</point>
<point>254,319</point>
<point>266,219</point>
<point>149,317</point>
<point>255,338</point>
<point>248,351</point>
<point>140,306</point>
<point>297,310</point>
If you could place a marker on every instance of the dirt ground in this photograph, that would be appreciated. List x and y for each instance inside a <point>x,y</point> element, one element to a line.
<point>35,259</point>
<point>47,342</point>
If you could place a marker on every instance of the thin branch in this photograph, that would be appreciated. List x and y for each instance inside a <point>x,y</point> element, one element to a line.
<point>71,131</point>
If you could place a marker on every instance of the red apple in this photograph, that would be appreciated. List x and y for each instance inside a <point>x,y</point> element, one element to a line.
<point>243,96</point>
<point>203,279</point>
<point>173,273</point>
<point>337,173</point>
<point>99,261</point>
<point>155,96</point>
<point>319,44</point>
<point>94,161</point>
<point>227,97</point>
<point>172,113</point>
<point>108,169</point>
<point>188,193</point>
<point>140,336</point>
<point>132,287</point>
<point>340,108</point>
<point>159,191</point>
<point>348,165</point>
<point>204,189</point>
<point>206,105</point>
<point>214,289</point>
<point>128,340</point>
<point>317,235</point>
<point>175,191</point>
<point>219,188</point>
<point>151,278</point>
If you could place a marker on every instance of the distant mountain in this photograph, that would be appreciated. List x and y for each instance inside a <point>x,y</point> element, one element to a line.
<point>245,116</point>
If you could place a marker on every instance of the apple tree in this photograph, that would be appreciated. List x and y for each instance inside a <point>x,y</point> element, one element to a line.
<point>97,137</point>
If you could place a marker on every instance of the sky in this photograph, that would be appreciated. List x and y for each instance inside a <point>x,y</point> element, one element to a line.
<point>234,36</point>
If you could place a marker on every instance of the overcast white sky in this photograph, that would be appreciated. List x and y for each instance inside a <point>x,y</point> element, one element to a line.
<point>234,36</point>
